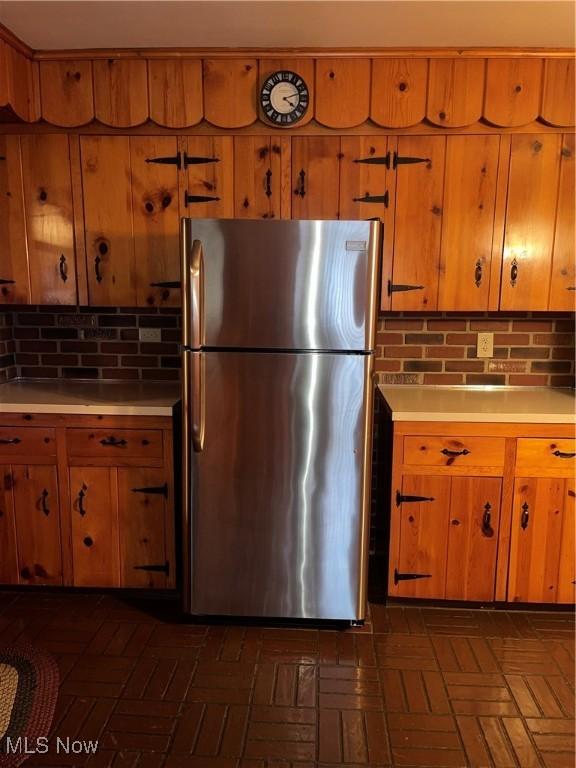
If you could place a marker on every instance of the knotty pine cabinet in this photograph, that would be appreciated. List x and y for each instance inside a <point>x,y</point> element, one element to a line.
<point>482,512</point>
<point>87,501</point>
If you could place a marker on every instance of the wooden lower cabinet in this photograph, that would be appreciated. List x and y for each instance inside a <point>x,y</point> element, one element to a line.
<point>9,555</point>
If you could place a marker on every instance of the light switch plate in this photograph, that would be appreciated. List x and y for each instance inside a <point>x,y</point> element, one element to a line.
<point>485,345</point>
<point>150,334</point>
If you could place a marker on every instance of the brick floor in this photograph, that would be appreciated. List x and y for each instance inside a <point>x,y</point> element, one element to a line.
<point>413,687</point>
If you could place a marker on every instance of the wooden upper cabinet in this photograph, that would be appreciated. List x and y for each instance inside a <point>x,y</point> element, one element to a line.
<point>37,514</point>
<point>156,220</point>
<point>230,98</point>
<point>175,92</point>
<point>121,92</point>
<point>455,91</point>
<point>530,220</point>
<point>418,222</point>
<point>107,193</point>
<point>302,67</point>
<point>342,92</point>
<point>558,96</point>
<point>19,83</point>
<point>513,88</point>
<point>14,285</point>
<point>67,92</point>
<point>398,96</point>
<point>261,177</point>
<point>563,282</point>
<point>315,177</point>
<point>49,218</point>
<point>207,186</point>
<point>468,222</point>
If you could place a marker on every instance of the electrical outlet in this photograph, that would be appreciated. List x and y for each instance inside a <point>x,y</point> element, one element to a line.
<point>150,334</point>
<point>485,345</point>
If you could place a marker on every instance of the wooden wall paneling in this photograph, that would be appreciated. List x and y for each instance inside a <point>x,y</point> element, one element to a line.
<point>567,569</point>
<point>14,281</point>
<point>120,92</point>
<point>9,559</point>
<point>361,180</point>
<point>499,222</point>
<point>536,539</point>
<point>398,93</point>
<point>455,91</point>
<point>211,179</point>
<point>156,220</point>
<point>37,514</point>
<point>66,92</point>
<point>342,92</point>
<point>418,222</point>
<point>468,222</point>
<point>284,143</point>
<point>257,177</point>
<point>78,208</point>
<point>230,92</point>
<point>512,95</point>
<point>505,527</point>
<point>473,538</point>
<point>315,177</point>
<point>563,280</point>
<point>49,218</point>
<point>94,515</point>
<point>302,67</point>
<point>530,219</point>
<point>175,92</point>
<point>108,220</point>
<point>558,92</point>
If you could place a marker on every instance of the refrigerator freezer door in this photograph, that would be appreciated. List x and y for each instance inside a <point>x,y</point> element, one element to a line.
<point>280,490</point>
<point>309,285</point>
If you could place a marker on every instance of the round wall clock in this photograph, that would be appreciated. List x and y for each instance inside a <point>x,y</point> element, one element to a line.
<point>284,97</point>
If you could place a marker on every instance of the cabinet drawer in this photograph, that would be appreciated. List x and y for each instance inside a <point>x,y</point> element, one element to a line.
<point>27,441</point>
<point>546,453</point>
<point>110,443</point>
<point>454,451</point>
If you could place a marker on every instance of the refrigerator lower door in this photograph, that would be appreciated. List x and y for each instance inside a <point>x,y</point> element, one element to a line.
<point>279,508</point>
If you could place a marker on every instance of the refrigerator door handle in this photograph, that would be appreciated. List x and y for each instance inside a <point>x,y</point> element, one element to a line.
<point>198,401</point>
<point>192,259</point>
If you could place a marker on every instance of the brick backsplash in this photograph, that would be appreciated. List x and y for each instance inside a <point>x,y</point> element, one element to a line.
<point>7,348</point>
<point>94,343</point>
<point>529,350</point>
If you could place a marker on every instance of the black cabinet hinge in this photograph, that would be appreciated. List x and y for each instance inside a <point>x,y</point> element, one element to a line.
<point>167,284</point>
<point>192,160</point>
<point>198,199</point>
<point>7,282</point>
<point>376,160</point>
<point>400,288</point>
<point>409,576</point>
<point>398,160</point>
<point>161,490</point>
<point>172,160</point>
<point>157,568</point>
<point>373,199</point>
<point>401,498</point>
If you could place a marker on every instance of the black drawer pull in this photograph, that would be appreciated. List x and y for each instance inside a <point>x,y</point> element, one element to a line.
<point>10,441</point>
<point>97,272</point>
<point>524,517</point>
<point>113,441</point>
<point>563,455</point>
<point>478,274</point>
<point>43,504</point>
<point>448,452</point>
<point>161,490</point>
<point>487,529</point>
<point>81,495</point>
<point>513,273</point>
<point>63,267</point>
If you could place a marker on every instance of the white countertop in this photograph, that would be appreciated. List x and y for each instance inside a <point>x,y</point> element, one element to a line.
<point>542,405</point>
<point>107,398</point>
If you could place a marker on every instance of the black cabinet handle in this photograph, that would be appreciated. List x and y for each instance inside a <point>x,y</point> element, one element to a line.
<point>81,495</point>
<point>268,183</point>
<point>563,455</point>
<point>10,441</point>
<point>448,452</point>
<point>524,517</point>
<point>301,186</point>
<point>97,272</point>
<point>487,529</point>
<point>63,267</point>
<point>478,274</point>
<point>513,273</point>
<point>43,504</point>
<point>113,441</point>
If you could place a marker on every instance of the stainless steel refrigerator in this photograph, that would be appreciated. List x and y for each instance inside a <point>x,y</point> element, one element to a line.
<point>278,338</point>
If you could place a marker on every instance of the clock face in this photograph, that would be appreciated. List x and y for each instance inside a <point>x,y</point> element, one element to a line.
<point>284,97</point>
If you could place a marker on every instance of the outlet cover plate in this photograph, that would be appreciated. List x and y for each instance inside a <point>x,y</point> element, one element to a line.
<point>485,345</point>
<point>150,334</point>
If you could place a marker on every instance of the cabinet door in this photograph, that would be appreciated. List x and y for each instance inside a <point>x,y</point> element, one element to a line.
<point>536,539</point>
<point>107,195</point>
<point>563,282</point>
<point>94,517</point>
<point>468,222</point>
<point>473,538</point>
<point>208,183</point>
<point>35,492</point>
<point>418,222</point>
<point>142,508</point>
<point>8,557</point>
<point>364,192</point>
<point>530,220</point>
<point>421,562</point>
<point>315,177</point>
<point>14,287</point>
<point>258,176</point>
<point>567,570</point>
<point>156,220</point>
<point>49,218</point>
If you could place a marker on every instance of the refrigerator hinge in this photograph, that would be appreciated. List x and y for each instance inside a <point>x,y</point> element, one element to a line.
<point>401,498</point>
<point>409,576</point>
